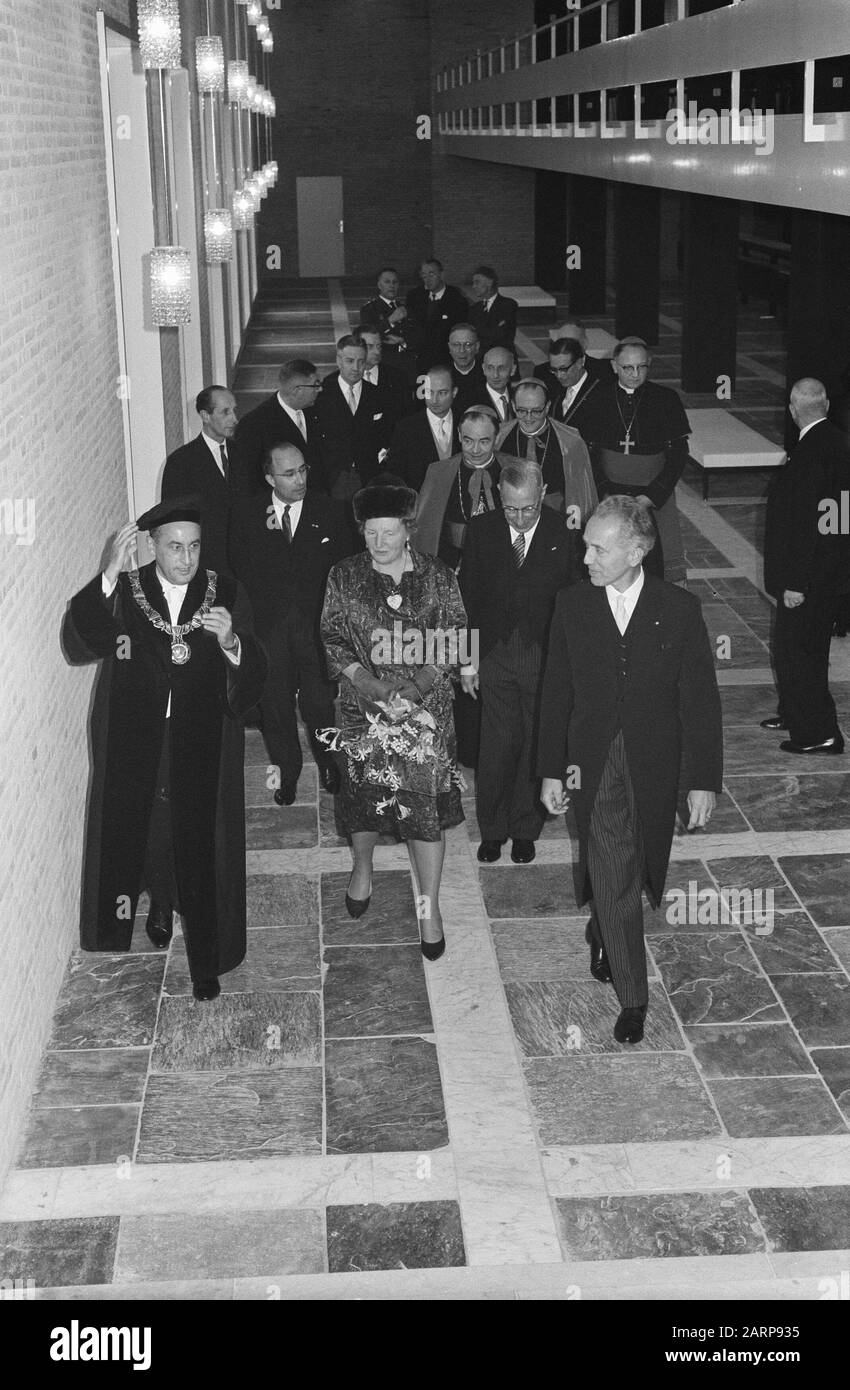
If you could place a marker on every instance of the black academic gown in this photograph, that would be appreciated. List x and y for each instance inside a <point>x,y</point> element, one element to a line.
<point>208,698</point>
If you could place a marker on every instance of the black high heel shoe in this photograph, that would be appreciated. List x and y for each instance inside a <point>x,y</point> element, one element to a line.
<point>355,907</point>
<point>432,950</point>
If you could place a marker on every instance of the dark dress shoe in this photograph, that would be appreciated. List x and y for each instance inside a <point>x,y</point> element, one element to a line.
<point>206,989</point>
<point>776,724</point>
<point>160,924</point>
<point>832,746</point>
<point>329,779</point>
<point>629,1026</point>
<point>355,907</point>
<point>285,794</point>
<point>489,851</point>
<point>523,851</point>
<point>432,950</point>
<point>599,967</point>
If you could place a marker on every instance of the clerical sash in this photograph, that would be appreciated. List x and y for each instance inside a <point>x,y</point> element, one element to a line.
<point>634,469</point>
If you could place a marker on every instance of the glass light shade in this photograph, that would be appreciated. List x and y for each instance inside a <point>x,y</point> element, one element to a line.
<point>263,29</point>
<point>252,187</point>
<point>268,44</point>
<point>258,102</point>
<point>243,211</point>
<point>237,81</point>
<point>250,90</point>
<point>171,281</point>
<point>272,111</point>
<point>218,235</point>
<point>268,104</point>
<point>159,33</point>
<point>209,63</point>
<point>254,12</point>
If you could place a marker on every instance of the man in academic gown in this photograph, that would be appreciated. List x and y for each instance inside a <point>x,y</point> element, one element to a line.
<point>167,808</point>
<point>637,433</point>
<point>630,712</point>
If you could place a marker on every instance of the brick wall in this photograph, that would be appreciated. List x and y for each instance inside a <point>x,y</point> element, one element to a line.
<point>482,212</point>
<point>350,80</point>
<point>61,451</point>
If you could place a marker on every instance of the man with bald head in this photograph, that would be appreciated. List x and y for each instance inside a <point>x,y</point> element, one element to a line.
<point>499,364</point>
<point>806,568</point>
<point>427,435</point>
<point>282,546</point>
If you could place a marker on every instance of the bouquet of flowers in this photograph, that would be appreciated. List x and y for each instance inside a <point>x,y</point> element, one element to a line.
<point>397,753</point>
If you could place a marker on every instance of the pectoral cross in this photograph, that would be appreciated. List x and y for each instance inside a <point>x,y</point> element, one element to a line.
<point>626,443</point>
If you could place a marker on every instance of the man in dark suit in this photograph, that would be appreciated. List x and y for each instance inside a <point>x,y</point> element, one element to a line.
<point>630,712</point>
<point>466,369</point>
<point>493,315</point>
<point>393,384</point>
<point>287,417</point>
<point>282,546</point>
<point>430,434</point>
<point>514,562</point>
<point>806,567</point>
<point>499,365</point>
<point>569,378</point>
<point>433,309</point>
<point>354,422</point>
<point>207,468</point>
<point>386,313</point>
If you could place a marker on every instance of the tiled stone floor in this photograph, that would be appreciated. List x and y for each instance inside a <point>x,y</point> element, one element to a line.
<point>347,1122</point>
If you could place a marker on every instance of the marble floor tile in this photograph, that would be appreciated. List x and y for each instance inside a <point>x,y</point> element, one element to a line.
<point>375,990</point>
<point>259,787</point>
<point>727,817</point>
<point>110,1076</point>
<point>383,1094</point>
<point>549,949</point>
<point>775,1105</point>
<point>239,1032</point>
<point>277,961</point>
<point>681,873</point>
<point>619,1099</point>
<point>662,1225</point>
<point>65,1136</point>
<point>713,979</point>
<point>108,1001</point>
<point>792,946</point>
<point>784,802</point>
<point>403,1235</point>
<point>818,1005</point>
<point>752,750</point>
<point>220,1244</point>
<point>798,1218</point>
<point>329,828</point>
<point>833,1063</point>
<point>756,872</point>
<point>192,1116</point>
<point>838,941</point>
<point>282,900</point>
<point>59,1253</point>
<point>748,1049</point>
<point>822,882</point>
<point>528,890</point>
<point>281,827</point>
<point>390,916</point>
<point>561,1019</point>
<point>747,704</point>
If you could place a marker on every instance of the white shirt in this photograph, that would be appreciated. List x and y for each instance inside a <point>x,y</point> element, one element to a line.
<point>571,393</point>
<point>345,388</point>
<point>174,596</point>
<point>811,426</point>
<point>371,375</point>
<point>296,416</point>
<point>630,595</point>
<point>438,425</point>
<point>488,303</point>
<point>500,399</point>
<point>215,449</point>
<point>294,512</point>
<point>437,294</point>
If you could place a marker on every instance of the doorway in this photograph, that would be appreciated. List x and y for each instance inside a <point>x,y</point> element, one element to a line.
<point>321,244</point>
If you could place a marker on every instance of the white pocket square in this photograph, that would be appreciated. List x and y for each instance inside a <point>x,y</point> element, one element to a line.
<point>379,416</point>
<point>325,540</point>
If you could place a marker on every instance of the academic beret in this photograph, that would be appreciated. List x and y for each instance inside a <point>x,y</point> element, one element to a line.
<point>384,498</point>
<point>186,508</point>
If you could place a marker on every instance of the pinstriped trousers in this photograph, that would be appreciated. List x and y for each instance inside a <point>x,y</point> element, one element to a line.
<point>616,867</point>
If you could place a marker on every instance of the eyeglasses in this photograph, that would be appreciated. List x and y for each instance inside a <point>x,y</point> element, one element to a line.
<point>563,371</point>
<point>522,511</point>
<point>308,386</point>
<point>526,412</point>
<point>454,342</point>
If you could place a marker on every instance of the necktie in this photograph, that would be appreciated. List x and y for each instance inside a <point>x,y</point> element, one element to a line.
<point>621,617</point>
<point>444,435</point>
<point>287,524</point>
<point>519,550</point>
<point>503,407</point>
<point>531,448</point>
<point>352,400</point>
<point>302,423</point>
<point>370,375</point>
<point>225,463</point>
<point>569,397</point>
